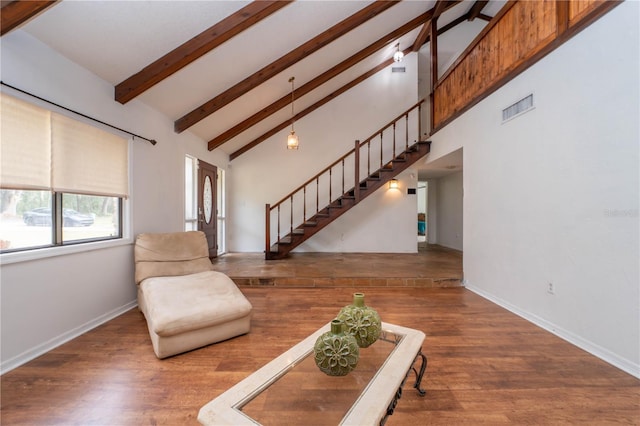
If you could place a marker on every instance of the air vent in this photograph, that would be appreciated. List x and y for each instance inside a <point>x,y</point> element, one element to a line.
<point>398,69</point>
<point>520,107</point>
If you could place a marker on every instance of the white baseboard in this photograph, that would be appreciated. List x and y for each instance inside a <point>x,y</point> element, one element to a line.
<point>26,356</point>
<point>594,349</point>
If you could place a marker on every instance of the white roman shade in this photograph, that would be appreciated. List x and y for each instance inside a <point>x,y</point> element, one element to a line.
<point>25,148</point>
<point>45,150</point>
<point>87,160</point>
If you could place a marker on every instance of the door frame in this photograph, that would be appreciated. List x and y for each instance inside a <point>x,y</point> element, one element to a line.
<point>209,228</point>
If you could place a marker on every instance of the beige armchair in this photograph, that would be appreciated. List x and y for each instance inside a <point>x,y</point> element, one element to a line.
<point>186,303</point>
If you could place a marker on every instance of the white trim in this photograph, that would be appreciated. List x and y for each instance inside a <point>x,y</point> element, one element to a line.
<point>43,253</point>
<point>604,354</point>
<point>53,343</point>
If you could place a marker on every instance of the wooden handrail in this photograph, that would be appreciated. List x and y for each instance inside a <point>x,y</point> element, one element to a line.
<point>393,122</point>
<point>323,171</point>
<point>356,153</point>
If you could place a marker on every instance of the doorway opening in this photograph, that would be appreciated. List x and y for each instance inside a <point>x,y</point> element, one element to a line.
<point>423,206</point>
<point>205,202</point>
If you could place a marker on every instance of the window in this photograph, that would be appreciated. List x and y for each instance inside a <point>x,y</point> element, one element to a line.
<point>62,181</point>
<point>190,193</point>
<point>221,212</point>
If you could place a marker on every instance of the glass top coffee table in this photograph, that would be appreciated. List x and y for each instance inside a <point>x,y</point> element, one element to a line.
<point>292,390</point>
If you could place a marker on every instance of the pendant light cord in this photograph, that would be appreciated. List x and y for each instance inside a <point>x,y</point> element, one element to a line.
<point>292,90</point>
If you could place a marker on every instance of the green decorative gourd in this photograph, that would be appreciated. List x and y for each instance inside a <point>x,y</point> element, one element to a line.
<point>361,321</point>
<point>336,352</point>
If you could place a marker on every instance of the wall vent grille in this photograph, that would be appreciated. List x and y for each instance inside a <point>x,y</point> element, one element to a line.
<point>520,107</point>
<point>398,69</point>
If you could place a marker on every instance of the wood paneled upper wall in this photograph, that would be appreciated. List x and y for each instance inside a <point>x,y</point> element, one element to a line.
<point>521,34</point>
<point>579,8</point>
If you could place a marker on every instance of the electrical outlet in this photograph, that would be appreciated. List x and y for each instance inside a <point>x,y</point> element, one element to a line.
<point>551,289</point>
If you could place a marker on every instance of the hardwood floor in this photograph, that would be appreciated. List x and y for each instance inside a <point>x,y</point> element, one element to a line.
<point>432,266</point>
<point>486,366</point>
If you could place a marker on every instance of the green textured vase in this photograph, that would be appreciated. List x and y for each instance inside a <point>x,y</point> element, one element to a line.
<point>336,352</point>
<point>361,321</point>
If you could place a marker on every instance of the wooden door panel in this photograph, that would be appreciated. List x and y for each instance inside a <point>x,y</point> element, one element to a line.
<point>207,205</point>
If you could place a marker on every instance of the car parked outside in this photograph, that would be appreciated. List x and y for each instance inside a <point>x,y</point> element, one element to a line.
<point>42,217</point>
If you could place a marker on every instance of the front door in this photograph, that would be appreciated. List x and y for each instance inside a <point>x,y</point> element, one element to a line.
<point>207,205</point>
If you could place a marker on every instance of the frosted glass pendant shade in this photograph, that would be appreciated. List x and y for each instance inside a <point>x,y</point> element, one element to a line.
<point>292,141</point>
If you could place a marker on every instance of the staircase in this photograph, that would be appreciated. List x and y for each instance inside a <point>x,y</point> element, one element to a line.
<point>293,208</point>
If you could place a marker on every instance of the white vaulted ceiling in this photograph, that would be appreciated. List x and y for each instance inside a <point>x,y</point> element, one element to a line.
<point>117,39</point>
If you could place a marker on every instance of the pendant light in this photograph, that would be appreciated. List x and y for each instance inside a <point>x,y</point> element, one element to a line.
<point>397,57</point>
<point>292,139</point>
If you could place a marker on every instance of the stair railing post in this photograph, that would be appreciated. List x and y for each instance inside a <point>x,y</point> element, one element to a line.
<point>343,175</point>
<point>406,122</point>
<point>369,157</point>
<point>304,204</point>
<point>291,215</point>
<point>356,190</point>
<point>267,230</point>
<point>330,183</point>
<point>278,218</point>
<point>394,140</point>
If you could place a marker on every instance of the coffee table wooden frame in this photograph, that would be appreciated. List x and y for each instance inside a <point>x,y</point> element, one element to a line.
<point>375,403</point>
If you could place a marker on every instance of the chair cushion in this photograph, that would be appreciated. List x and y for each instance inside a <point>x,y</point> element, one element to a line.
<point>174,305</point>
<point>171,254</point>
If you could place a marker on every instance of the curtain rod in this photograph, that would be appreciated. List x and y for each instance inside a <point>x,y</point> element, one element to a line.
<point>152,141</point>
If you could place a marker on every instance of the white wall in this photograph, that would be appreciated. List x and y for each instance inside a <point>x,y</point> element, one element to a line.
<point>45,302</point>
<point>422,196</point>
<point>269,172</point>
<point>449,206</point>
<point>432,211</point>
<point>385,222</point>
<point>552,196</point>
<point>549,197</point>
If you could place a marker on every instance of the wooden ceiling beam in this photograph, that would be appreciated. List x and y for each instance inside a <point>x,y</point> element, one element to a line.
<point>422,36</point>
<point>452,24</point>
<point>15,13</point>
<point>440,7</point>
<point>315,106</point>
<point>476,9</point>
<point>319,80</point>
<point>193,49</point>
<point>282,63</point>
